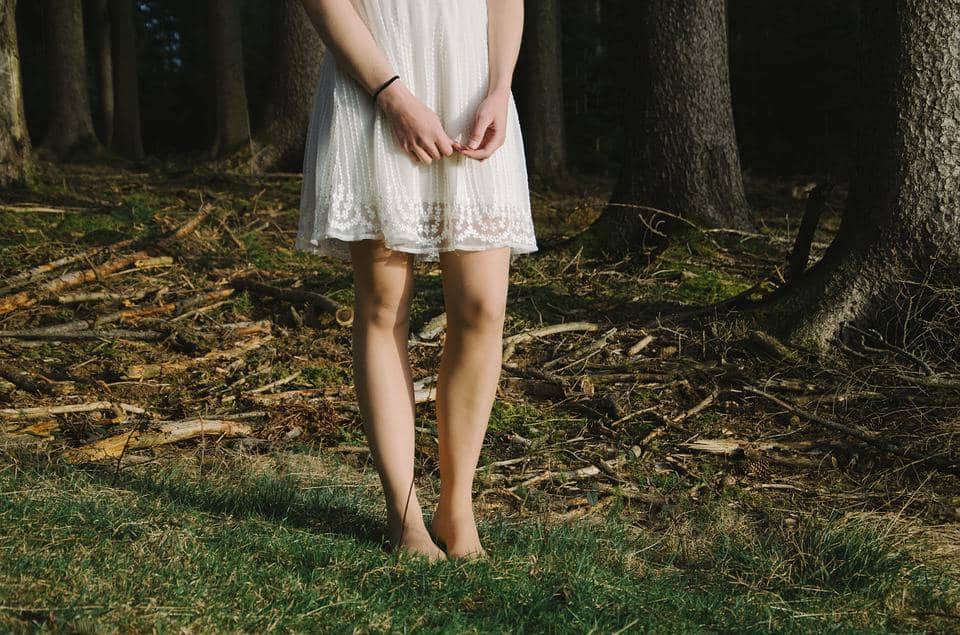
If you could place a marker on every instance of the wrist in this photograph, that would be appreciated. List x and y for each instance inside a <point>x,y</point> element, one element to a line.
<point>500,90</point>
<point>393,95</point>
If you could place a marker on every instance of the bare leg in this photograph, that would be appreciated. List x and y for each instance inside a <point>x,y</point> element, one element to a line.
<point>383,283</point>
<point>475,293</point>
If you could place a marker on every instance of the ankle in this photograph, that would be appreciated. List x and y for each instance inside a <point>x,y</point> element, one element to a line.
<point>454,507</point>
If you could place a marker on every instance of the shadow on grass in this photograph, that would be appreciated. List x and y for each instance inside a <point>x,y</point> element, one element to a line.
<point>325,506</point>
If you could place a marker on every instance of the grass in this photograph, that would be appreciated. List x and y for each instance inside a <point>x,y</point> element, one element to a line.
<point>281,544</point>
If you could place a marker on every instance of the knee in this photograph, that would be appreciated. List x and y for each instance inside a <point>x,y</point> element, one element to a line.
<point>481,313</point>
<point>382,312</point>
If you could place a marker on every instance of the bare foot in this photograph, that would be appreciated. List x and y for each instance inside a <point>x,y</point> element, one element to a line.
<point>458,533</point>
<point>417,541</point>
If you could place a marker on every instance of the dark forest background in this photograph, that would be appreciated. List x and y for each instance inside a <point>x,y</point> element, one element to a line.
<point>793,71</point>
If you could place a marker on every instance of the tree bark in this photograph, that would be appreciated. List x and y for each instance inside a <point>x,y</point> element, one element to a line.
<point>680,148</point>
<point>232,120</point>
<point>14,140</point>
<point>128,138</point>
<point>297,52</point>
<point>103,46</point>
<point>71,124</point>
<point>542,92</point>
<point>902,221</point>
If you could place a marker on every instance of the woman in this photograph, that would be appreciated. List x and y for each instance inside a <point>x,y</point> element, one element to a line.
<point>414,153</point>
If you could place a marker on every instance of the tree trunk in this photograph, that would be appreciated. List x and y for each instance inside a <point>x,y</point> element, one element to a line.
<point>232,120</point>
<point>542,92</point>
<point>680,148</point>
<point>103,46</point>
<point>902,222</point>
<point>297,52</point>
<point>128,139</point>
<point>71,124</point>
<point>14,140</point>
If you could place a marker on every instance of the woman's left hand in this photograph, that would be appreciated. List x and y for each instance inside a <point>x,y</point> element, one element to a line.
<point>489,127</point>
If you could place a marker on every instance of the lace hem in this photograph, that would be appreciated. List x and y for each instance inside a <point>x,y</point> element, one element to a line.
<point>420,228</point>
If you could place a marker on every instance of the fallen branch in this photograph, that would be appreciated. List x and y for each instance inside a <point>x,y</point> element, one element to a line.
<point>44,209</point>
<point>697,409</point>
<point>433,328</point>
<point>77,278</point>
<point>34,274</point>
<point>167,433</point>
<point>39,385</point>
<point>91,334</point>
<point>147,371</point>
<point>342,314</point>
<point>580,354</point>
<point>800,255</point>
<point>39,412</point>
<point>510,343</point>
<point>868,438</point>
<point>601,467</point>
<point>639,346</point>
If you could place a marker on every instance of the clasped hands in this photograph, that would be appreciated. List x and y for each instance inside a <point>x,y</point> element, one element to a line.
<point>421,135</point>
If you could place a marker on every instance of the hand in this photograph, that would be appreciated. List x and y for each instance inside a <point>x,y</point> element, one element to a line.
<point>417,128</point>
<point>489,127</point>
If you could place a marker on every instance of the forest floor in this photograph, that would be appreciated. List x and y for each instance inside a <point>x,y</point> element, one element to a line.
<point>181,449</point>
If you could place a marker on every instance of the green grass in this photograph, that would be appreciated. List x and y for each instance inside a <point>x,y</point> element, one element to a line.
<point>291,548</point>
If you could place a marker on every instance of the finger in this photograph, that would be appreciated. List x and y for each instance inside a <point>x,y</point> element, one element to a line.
<point>424,157</point>
<point>490,143</point>
<point>408,150</point>
<point>445,145</point>
<point>431,149</point>
<point>479,155</point>
<point>479,131</point>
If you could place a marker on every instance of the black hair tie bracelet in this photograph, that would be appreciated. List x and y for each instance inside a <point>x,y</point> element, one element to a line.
<point>384,85</point>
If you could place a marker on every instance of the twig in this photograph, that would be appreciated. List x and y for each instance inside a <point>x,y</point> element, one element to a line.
<point>342,314</point>
<point>853,432</point>
<point>510,343</point>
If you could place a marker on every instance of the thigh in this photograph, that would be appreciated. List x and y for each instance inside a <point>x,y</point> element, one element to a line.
<point>475,283</point>
<point>382,278</point>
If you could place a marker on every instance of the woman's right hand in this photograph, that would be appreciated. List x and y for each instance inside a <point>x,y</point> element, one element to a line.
<point>417,128</point>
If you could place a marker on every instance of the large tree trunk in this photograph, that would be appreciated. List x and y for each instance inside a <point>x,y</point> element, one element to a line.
<point>680,148</point>
<point>902,222</point>
<point>128,138</point>
<point>541,92</point>
<point>232,120</point>
<point>103,46</point>
<point>71,124</point>
<point>14,140</point>
<point>297,52</point>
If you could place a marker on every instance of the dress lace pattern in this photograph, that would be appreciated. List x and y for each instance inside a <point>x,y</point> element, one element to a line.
<point>358,183</point>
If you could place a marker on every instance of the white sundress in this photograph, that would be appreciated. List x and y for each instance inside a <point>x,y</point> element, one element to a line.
<point>358,182</point>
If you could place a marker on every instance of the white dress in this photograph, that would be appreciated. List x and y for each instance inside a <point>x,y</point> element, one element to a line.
<point>359,183</point>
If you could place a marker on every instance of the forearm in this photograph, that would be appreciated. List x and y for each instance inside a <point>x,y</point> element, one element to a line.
<point>504,32</point>
<point>348,38</point>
